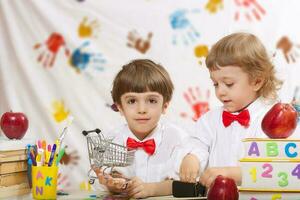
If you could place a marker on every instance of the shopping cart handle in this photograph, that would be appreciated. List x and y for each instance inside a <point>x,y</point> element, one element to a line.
<point>85,133</point>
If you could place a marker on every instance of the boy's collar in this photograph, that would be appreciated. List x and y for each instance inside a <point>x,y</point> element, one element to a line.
<point>156,134</point>
<point>256,105</point>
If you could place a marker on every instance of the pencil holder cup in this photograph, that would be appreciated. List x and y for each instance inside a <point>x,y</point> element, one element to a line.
<point>44,182</point>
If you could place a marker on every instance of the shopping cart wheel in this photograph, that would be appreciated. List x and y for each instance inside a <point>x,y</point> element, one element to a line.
<point>92,181</point>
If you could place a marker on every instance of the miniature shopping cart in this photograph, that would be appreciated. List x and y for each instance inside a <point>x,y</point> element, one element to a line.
<point>103,153</point>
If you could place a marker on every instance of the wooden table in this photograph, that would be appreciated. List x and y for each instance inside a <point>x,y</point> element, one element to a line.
<point>95,195</point>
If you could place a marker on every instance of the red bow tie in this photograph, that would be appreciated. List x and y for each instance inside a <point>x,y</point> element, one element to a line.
<point>243,118</point>
<point>148,145</point>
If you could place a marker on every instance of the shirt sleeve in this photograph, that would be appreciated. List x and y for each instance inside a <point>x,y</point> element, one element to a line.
<point>177,155</point>
<point>198,144</point>
<point>201,141</point>
<point>180,137</point>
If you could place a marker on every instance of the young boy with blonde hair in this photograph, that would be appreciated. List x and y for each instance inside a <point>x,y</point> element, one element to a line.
<point>245,83</point>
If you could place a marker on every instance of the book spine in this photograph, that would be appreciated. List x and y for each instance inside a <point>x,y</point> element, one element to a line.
<point>13,178</point>
<point>12,158</point>
<point>12,193</point>
<point>10,167</point>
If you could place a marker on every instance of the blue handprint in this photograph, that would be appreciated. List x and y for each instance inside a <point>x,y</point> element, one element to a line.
<point>183,28</point>
<point>81,60</point>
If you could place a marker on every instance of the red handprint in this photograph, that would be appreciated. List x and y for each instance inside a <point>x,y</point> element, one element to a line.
<point>199,107</point>
<point>50,49</point>
<point>249,7</point>
<point>288,49</point>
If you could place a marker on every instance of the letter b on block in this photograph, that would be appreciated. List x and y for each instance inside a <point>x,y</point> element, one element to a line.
<point>272,149</point>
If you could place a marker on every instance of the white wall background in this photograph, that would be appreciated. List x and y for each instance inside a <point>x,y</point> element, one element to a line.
<point>48,93</point>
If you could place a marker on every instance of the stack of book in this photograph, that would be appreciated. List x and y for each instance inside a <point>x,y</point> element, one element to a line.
<point>13,168</point>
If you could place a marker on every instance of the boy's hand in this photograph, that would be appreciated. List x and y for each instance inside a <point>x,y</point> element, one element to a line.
<point>116,185</point>
<point>189,168</point>
<point>210,174</point>
<point>138,189</point>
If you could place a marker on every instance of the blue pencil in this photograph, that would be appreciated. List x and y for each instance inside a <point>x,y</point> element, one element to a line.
<point>52,155</point>
<point>29,163</point>
<point>32,157</point>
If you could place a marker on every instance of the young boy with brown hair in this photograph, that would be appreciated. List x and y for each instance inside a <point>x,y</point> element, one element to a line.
<point>142,91</point>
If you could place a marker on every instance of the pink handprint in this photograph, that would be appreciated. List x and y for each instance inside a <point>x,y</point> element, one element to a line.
<point>63,182</point>
<point>194,98</point>
<point>249,8</point>
<point>288,49</point>
<point>50,49</point>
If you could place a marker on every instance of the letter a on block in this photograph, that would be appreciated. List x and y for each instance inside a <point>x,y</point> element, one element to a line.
<point>39,175</point>
<point>48,180</point>
<point>253,149</point>
<point>39,190</point>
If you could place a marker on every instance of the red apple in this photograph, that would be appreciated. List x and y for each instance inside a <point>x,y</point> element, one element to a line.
<point>280,121</point>
<point>14,124</point>
<point>223,188</point>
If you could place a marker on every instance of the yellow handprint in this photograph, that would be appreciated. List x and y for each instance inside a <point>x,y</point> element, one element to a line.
<point>85,186</point>
<point>213,5</point>
<point>86,29</point>
<point>60,113</point>
<point>201,51</point>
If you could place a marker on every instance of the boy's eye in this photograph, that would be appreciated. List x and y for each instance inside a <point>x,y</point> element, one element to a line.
<point>229,84</point>
<point>131,101</point>
<point>215,84</point>
<point>152,100</point>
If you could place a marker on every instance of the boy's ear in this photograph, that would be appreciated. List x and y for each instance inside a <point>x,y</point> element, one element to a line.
<point>165,106</point>
<point>257,83</point>
<point>120,109</point>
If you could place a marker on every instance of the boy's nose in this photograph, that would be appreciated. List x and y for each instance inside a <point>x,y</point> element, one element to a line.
<point>142,108</point>
<point>221,92</point>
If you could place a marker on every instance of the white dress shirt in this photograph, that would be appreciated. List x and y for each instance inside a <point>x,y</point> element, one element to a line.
<point>218,146</point>
<point>159,166</point>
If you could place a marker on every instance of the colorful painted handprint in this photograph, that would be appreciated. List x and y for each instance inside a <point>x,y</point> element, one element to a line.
<point>60,113</point>
<point>184,31</point>
<point>201,52</point>
<point>289,50</point>
<point>88,29</point>
<point>214,6</point>
<point>81,59</point>
<point>194,98</point>
<point>137,42</point>
<point>249,9</point>
<point>50,49</point>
